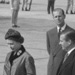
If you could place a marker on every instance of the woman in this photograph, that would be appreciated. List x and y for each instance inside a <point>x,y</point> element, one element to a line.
<point>15,9</point>
<point>18,61</point>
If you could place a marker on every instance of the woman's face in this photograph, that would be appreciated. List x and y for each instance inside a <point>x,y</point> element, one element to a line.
<point>13,44</point>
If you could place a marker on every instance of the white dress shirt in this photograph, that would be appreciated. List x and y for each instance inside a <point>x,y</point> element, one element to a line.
<point>62,28</point>
<point>69,52</point>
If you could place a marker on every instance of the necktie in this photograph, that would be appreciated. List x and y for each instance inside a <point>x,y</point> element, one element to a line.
<point>59,32</point>
<point>59,29</point>
<point>66,56</point>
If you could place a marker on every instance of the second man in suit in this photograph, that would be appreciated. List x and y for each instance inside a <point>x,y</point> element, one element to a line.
<point>67,41</point>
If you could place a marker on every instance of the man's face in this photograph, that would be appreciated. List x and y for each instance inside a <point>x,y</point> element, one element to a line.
<point>13,44</point>
<point>58,18</point>
<point>64,44</point>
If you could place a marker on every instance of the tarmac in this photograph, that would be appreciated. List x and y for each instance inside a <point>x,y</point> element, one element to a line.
<point>33,26</point>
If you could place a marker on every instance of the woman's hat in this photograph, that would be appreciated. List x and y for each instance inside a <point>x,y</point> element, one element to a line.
<point>14,35</point>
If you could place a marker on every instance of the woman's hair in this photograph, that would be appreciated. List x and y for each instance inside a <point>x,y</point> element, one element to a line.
<point>14,35</point>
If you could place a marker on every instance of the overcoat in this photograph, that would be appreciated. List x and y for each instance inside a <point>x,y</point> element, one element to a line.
<point>54,50</point>
<point>22,65</point>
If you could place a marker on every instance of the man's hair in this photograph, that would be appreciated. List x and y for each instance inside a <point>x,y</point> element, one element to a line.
<point>70,36</point>
<point>59,9</point>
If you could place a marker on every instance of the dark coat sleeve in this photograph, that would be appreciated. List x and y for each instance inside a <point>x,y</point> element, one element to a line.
<point>30,67</point>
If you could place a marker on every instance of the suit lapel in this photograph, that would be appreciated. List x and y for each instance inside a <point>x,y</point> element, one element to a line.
<point>68,61</point>
<point>55,34</point>
<point>55,40</point>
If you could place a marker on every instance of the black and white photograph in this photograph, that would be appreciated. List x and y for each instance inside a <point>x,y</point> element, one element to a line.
<point>37,37</point>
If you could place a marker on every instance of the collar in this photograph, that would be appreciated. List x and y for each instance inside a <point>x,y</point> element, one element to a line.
<point>69,52</point>
<point>62,28</point>
<point>20,51</point>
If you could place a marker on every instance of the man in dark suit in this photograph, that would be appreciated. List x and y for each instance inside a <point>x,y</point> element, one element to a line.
<point>54,49</point>
<point>67,41</point>
<point>50,6</point>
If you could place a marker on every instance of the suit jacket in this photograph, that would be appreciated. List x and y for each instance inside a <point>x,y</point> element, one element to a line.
<point>68,67</point>
<point>54,50</point>
<point>23,65</point>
